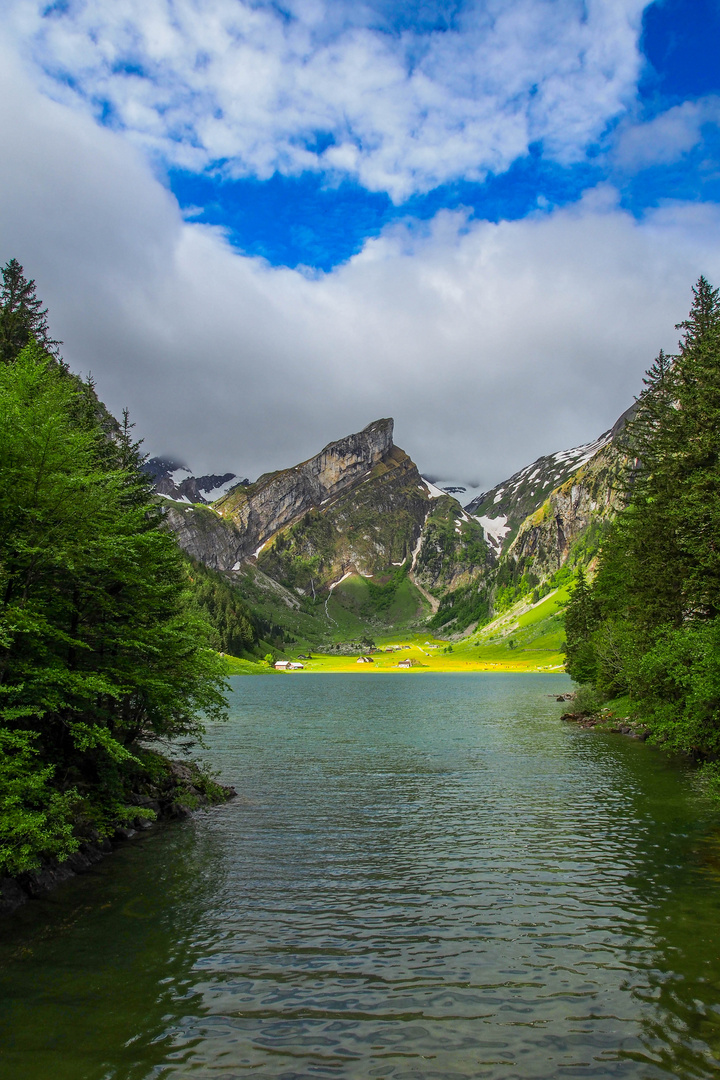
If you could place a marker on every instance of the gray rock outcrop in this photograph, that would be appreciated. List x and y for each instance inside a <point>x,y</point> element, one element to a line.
<point>239,523</point>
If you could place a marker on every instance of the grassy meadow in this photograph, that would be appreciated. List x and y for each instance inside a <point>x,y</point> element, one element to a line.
<point>526,637</point>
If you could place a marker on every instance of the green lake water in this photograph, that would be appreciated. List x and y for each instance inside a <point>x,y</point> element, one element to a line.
<point>423,877</point>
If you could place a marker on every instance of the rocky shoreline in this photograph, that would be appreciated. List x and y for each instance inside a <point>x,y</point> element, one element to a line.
<point>608,722</point>
<point>184,790</point>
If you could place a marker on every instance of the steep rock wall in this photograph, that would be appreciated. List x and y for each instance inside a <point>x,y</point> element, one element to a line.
<point>367,529</point>
<point>452,551</point>
<point>260,510</point>
<point>206,536</point>
<point>578,510</point>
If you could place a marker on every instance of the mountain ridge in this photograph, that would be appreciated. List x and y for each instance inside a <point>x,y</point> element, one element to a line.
<point>360,511</point>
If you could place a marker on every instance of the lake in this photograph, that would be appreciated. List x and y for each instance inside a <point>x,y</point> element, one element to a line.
<point>424,876</point>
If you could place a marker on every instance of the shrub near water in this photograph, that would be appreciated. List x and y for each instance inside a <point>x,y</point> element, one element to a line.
<point>98,654</point>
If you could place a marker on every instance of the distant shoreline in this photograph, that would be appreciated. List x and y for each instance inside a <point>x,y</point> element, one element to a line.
<point>461,669</point>
<point>448,671</point>
<point>412,654</point>
<point>347,666</point>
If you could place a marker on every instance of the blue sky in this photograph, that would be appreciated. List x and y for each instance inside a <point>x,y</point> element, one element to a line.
<point>302,220</point>
<point>312,220</point>
<point>303,129</point>
<point>680,43</point>
<point>262,224</point>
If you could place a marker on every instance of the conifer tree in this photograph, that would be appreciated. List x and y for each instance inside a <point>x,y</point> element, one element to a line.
<point>703,317</point>
<point>581,620</point>
<point>658,581</point>
<point>22,316</point>
<point>638,580</point>
<point>692,455</point>
<point>661,565</point>
<point>98,651</point>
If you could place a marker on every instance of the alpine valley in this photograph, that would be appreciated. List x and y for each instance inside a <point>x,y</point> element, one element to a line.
<point>354,544</point>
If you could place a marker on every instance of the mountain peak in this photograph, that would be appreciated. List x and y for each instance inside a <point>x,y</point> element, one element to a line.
<point>377,437</point>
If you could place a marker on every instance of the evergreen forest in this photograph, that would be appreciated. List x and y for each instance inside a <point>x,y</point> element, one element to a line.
<point>106,651</point>
<point>645,626</point>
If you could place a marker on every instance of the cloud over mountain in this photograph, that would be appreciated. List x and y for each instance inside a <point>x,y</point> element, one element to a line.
<point>490,340</point>
<point>489,343</point>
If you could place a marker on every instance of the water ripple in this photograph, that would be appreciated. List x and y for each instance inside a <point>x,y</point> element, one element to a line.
<point>425,878</point>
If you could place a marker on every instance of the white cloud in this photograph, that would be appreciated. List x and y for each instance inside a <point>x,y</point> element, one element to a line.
<point>240,83</point>
<point>489,343</point>
<point>668,136</point>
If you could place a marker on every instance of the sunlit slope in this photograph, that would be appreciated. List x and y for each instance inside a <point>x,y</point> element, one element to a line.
<point>533,633</point>
<point>354,610</point>
<point>524,638</point>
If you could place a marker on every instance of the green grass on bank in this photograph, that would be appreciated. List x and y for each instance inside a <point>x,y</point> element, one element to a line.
<point>236,666</point>
<point>526,637</point>
<point>529,633</point>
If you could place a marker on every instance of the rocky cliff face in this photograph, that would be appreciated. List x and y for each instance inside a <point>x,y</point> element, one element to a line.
<point>577,512</point>
<point>451,551</point>
<point>502,510</point>
<point>278,499</point>
<point>358,507</point>
<point>391,518</point>
<point>367,528</point>
<point>505,510</point>
<point>202,533</point>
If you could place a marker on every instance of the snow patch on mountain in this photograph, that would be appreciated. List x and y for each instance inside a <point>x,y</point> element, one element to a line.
<point>175,481</point>
<point>433,492</point>
<point>495,530</point>
<point>222,489</point>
